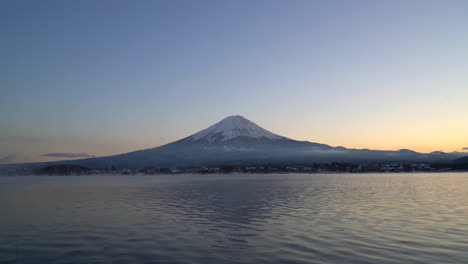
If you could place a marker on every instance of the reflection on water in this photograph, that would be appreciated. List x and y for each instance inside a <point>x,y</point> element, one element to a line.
<point>382,218</point>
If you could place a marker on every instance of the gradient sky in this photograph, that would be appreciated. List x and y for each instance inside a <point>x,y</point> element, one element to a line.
<point>107,77</point>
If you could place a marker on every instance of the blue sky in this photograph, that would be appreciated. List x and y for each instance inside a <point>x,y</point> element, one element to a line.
<point>106,77</point>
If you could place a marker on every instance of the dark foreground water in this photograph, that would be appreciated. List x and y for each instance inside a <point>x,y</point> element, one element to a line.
<point>344,218</point>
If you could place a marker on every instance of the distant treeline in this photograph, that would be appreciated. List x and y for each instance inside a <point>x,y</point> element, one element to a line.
<point>450,166</point>
<point>339,167</point>
<point>62,169</point>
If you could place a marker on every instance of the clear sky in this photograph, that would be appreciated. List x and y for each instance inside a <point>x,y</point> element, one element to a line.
<point>107,77</point>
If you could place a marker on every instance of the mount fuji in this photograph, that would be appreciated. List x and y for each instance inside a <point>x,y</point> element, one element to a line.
<point>238,141</point>
<point>230,128</point>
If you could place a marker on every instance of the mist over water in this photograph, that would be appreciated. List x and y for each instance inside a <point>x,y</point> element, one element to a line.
<point>290,218</point>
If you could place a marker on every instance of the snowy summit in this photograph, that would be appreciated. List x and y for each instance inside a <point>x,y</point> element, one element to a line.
<point>232,127</point>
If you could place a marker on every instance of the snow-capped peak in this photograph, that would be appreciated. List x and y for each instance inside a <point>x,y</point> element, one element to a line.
<point>232,127</point>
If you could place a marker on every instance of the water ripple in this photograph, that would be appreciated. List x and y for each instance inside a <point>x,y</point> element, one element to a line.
<point>381,218</point>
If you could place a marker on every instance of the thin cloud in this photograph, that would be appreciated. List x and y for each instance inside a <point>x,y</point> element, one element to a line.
<point>465,148</point>
<point>7,158</point>
<point>68,155</point>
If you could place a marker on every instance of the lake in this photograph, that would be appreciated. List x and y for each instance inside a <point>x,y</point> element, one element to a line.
<point>288,218</point>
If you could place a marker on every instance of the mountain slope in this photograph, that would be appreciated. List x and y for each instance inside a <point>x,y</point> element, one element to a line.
<point>462,160</point>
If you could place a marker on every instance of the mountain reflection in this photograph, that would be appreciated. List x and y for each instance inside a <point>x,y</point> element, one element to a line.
<point>237,200</point>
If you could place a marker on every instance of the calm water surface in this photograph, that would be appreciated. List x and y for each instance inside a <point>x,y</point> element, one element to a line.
<point>343,218</point>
